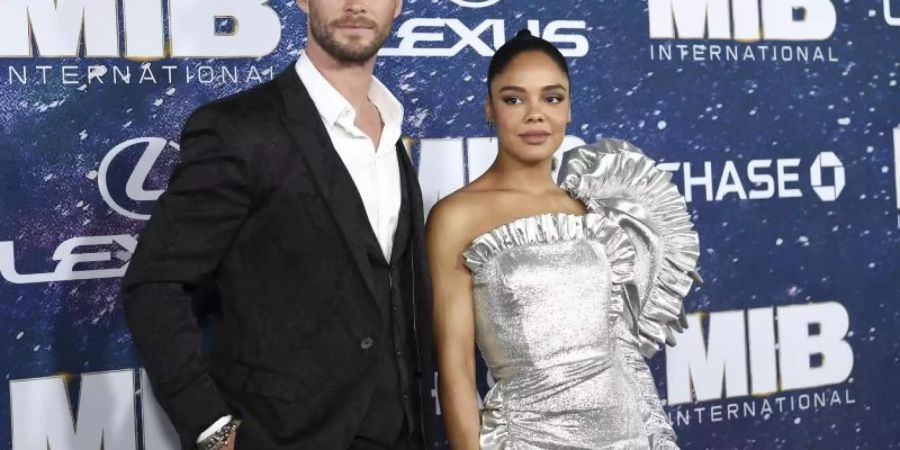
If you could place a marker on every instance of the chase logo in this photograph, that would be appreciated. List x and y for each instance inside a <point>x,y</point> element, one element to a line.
<point>891,20</point>
<point>475,3</point>
<point>827,161</point>
<point>778,20</point>
<point>759,179</point>
<point>59,27</point>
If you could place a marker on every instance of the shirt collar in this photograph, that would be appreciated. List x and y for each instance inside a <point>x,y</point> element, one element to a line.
<point>332,106</point>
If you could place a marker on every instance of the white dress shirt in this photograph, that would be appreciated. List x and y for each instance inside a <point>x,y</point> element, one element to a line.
<point>374,169</point>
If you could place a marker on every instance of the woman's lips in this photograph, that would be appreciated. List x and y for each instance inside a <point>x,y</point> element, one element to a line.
<point>535,137</point>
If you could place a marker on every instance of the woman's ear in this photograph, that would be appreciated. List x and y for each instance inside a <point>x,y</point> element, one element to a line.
<point>488,109</point>
<point>304,6</point>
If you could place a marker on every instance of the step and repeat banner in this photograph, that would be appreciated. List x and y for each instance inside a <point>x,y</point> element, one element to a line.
<point>779,119</point>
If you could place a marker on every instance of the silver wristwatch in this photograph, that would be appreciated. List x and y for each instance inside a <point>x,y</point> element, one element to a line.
<point>219,439</point>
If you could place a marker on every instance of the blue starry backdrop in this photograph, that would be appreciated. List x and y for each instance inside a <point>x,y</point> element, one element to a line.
<point>787,150</point>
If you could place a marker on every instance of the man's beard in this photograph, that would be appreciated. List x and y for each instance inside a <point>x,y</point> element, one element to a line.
<point>324,34</point>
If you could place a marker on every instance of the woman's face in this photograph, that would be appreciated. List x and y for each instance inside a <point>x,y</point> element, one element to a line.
<point>530,107</point>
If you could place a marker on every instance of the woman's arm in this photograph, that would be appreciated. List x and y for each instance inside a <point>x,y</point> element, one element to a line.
<point>454,324</point>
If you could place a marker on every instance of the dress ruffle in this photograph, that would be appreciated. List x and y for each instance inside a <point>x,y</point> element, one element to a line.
<point>495,426</point>
<point>551,228</point>
<point>615,178</point>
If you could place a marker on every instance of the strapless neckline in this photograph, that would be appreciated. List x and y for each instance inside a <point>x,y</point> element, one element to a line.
<point>544,228</point>
<point>557,216</point>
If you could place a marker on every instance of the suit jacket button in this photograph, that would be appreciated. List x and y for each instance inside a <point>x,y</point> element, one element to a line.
<point>366,343</point>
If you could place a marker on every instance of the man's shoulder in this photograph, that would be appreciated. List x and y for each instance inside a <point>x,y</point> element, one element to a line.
<point>262,100</point>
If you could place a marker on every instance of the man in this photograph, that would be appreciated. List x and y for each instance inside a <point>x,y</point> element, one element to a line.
<point>296,213</point>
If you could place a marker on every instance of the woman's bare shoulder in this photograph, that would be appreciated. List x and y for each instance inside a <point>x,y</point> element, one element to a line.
<point>464,215</point>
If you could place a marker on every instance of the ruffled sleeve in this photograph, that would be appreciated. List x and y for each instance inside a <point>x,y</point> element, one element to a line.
<point>615,178</point>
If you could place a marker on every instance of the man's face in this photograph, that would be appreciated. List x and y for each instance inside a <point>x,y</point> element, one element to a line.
<point>351,31</point>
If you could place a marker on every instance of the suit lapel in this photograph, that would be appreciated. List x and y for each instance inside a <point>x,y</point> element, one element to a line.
<point>304,124</point>
<point>401,236</point>
<point>414,194</point>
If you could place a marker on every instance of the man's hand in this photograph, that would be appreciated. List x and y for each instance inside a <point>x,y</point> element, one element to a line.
<point>229,445</point>
<point>218,440</point>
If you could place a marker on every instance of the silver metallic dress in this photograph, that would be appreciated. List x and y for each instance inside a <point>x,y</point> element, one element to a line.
<point>568,306</point>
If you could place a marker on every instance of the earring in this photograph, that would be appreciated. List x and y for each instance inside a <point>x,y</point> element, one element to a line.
<point>490,131</point>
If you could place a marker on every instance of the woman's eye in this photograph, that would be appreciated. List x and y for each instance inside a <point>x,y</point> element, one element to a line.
<point>555,99</point>
<point>512,100</point>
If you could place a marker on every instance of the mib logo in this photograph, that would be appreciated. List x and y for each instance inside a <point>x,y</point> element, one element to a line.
<point>759,352</point>
<point>58,27</point>
<point>447,164</point>
<point>742,20</point>
<point>897,171</point>
<point>111,406</point>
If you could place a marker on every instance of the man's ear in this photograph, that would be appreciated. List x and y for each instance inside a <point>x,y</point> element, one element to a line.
<point>488,109</point>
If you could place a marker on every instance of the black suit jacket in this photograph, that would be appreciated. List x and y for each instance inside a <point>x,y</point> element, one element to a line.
<point>262,218</point>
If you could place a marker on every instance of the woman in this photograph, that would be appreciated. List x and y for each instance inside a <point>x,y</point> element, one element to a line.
<point>563,287</point>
